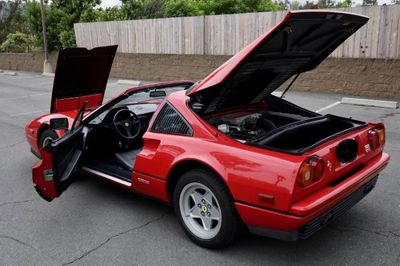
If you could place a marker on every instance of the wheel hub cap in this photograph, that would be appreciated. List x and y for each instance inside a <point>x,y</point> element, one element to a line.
<point>200,210</point>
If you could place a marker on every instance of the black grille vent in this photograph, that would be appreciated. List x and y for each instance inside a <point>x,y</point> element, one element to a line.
<point>169,121</point>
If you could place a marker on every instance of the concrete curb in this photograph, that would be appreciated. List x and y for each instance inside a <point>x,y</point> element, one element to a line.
<point>10,73</point>
<point>129,82</point>
<point>1,70</point>
<point>368,102</point>
<point>45,74</point>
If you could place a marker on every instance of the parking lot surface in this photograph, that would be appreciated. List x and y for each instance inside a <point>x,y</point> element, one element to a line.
<point>96,223</point>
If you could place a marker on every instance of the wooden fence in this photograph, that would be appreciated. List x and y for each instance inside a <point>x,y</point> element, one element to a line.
<point>227,34</point>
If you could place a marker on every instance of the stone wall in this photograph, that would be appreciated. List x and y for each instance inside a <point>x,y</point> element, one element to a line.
<point>165,67</point>
<point>360,77</point>
<point>25,62</point>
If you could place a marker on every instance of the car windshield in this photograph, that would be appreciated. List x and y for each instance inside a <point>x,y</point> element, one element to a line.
<point>151,95</point>
<point>142,102</point>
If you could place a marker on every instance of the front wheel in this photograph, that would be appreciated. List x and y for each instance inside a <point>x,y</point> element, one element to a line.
<point>205,209</point>
<point>47,137</point>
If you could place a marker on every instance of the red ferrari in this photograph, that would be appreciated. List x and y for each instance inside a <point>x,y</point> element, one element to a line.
<point>225,152</point>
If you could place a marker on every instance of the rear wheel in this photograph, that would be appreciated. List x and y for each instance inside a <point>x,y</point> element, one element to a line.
<point>205,209</point>
<point>47,137</point>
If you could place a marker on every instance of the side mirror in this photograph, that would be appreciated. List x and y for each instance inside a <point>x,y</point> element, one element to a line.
<point>59,123</point>
<point>156,94</point>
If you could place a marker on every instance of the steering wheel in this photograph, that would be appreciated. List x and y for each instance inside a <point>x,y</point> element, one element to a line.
<point>127,124</point>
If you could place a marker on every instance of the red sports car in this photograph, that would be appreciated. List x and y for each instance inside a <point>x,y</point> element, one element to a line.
<point>225,152</point>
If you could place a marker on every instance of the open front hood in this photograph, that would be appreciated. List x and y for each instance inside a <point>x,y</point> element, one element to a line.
<point>297,44</point>
<point>81,75</point>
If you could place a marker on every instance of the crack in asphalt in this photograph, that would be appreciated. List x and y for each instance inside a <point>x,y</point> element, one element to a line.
<point>16,202</point>
<point>26,245</point>
<point>16,240</point>
<point>385,233</point>
<point>135,228</point>
<point>13,144</point>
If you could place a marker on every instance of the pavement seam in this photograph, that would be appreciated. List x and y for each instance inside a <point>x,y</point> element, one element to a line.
<point>88,252</point>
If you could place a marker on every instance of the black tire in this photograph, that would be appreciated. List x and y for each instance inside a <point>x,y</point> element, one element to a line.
<point>48,133</point>
<point>231,226</point>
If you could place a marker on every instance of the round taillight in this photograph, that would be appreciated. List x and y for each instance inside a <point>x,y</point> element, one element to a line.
<point>311,171</point>
<point>305,177</point>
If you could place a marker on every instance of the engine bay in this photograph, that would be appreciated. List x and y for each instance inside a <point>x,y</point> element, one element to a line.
<point>245,126</point>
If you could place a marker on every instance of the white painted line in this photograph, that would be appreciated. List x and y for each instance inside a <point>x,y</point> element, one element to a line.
<point>10,73</point>
<point>29,113</point>
<point>129,82</point>
<point>328,107</point>
<point>368,102</point>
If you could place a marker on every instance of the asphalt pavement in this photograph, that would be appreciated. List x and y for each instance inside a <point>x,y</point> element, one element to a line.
<point>96,223</point>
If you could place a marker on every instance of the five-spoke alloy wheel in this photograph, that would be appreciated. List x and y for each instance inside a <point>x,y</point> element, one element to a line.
<point>205,209</point>
<point>200,210</point>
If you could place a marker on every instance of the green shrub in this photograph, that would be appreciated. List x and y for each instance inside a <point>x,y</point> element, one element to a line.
<point>17,42</point>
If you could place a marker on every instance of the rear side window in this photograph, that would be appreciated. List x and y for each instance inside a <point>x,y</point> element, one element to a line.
<point>169,121</point>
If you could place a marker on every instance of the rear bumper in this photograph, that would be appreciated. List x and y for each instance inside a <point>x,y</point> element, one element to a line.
<point>320,221</point>
<point>307,216</point>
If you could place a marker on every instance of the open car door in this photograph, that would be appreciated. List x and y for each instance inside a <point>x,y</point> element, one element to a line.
<point>60,160</point>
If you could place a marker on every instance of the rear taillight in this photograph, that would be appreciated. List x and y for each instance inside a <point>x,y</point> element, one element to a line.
<point>376,137</point>
<point>382,135</point>
<point>311,171</point>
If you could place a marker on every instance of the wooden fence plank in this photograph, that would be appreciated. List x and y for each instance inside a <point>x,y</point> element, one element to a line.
<point>228,34</point>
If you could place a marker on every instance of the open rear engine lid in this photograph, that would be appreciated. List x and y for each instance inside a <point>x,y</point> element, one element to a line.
<point>299,43</point>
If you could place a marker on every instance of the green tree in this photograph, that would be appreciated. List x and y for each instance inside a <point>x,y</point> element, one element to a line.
<point>56,22</point>
<point>60,18</point>
<point>215,7</point>
<point>370,2</point>
<point>78,10</point>
<point>181,8</point>
<point>11,18</point>
<point>141,9</point>
<point>109,14</point>
<point>344,4</point>
<point>326,3</point>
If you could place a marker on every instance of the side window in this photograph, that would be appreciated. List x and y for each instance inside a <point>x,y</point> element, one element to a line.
<point>169,121</point>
